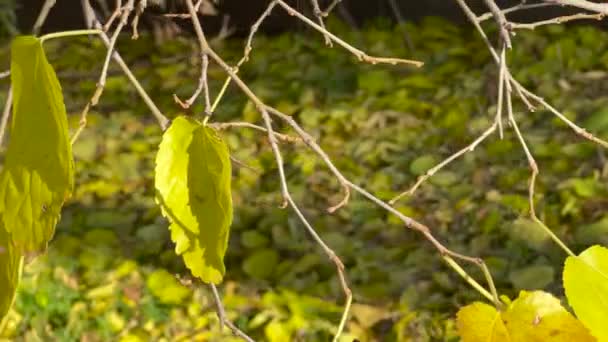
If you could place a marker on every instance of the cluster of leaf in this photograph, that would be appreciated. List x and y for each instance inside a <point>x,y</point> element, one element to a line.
<point>383,126</point>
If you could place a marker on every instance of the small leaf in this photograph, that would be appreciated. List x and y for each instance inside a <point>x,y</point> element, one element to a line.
<point>193,174</point>
<point>38,173</point>
<point>166,288</point>
<point>586,285</point>
<point>533,316</point>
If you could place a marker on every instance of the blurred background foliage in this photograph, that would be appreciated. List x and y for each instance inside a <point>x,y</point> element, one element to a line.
<point>111,272</point>
<point>8,18</point>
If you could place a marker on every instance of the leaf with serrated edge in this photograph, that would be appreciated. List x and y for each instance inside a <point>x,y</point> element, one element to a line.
<point>38,173</point>
<point>586,285</point>
<point>193,175</point>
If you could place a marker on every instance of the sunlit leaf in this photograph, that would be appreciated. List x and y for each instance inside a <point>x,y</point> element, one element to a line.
<point>193,174</point>
<point>539,316</point>
<point>480,322</point>
<point>533,316</point>
<point>586,285</point>
<point>10,272</point>
<point>38,173</point>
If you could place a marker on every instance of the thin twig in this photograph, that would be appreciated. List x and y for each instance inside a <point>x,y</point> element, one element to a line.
<point>401,21</point>
<point>221,314</point>
<point>522,6</point>
<point>319,14</point>
<point>362,56</point>
<point>501,21</point>
<point>141,7</point>
<point>279,159</point>
<point>44,12</point>
<point>582,4</point>
<point>525,95</point>
<point>126,11</point>
<point>115,14</point>
<point>92,20</point>
<point>331,7</point>
<point>227,125</point>
<point>6,113</point>
<point>557,20</point>
<point>202,85</point>
<point>428,174</point>
<point>5,74</point>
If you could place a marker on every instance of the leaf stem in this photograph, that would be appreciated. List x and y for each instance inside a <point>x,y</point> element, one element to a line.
<point>454,265</point>
<point>63,34</point>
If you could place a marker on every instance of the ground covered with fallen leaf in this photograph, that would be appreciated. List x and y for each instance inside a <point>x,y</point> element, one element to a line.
<point>111,272</point>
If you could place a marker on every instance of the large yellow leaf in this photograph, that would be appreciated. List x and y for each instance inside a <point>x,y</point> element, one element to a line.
<point>586,284</point>
<point>539,316</point>
<point>10,272</point>
<point>192,180</point>
<point>533,316</point>
<point>38,172</point>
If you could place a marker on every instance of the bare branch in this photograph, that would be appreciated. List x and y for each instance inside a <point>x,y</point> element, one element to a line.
<point>228,125</point>
<point>319,14</point>
<point>221,314</point>
<point>114,15</point>
<point>501,21</point>
<point>331,7</point>
<point>44,12</point>
<point>92,20</point>
<point>362,56</point>
<point>279,159</point>
<point>5,74</point>
<point>6,113</point>
<point>445,162</point>
<point>582,4</point>
<point>202,85</point>
<point>141,7</point>
<point>401,20</point>
<point>522,6</point>
<point>557,20</point>
<point>104,71</point>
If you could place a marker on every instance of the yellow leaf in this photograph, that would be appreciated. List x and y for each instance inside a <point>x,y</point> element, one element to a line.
<point>533,316</point>
<point>193,174</point>
<point>38,173</point>
<point>539,316</point>
<point>481,322</point>
<point>586,285</point>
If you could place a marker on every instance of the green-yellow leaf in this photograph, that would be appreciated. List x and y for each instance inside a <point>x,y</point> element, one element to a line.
<point>586,285</point>
<point>10,272</point>
<point>533,316</point>
<point>479,322</point>
<point>38,173</point>
<point>539,316</point>
<point>192,180</point>
<point>166,288</point>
